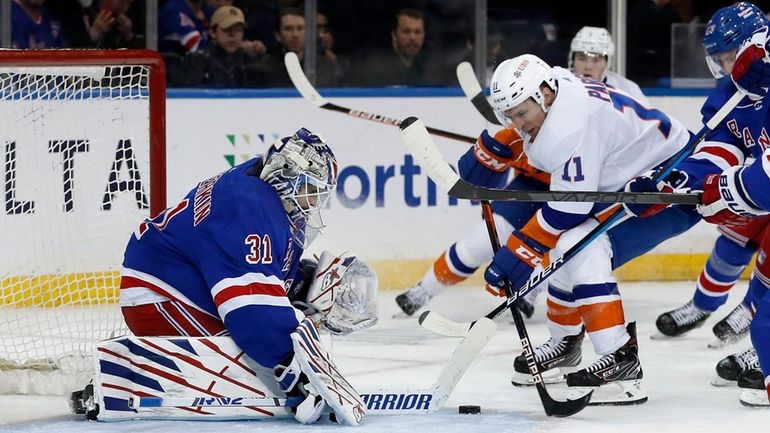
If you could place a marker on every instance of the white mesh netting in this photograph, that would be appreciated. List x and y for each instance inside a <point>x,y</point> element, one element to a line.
<point>75,161</point>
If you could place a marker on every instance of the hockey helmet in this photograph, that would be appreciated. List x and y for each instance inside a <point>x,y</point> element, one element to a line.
<point>727,29</point>
<point>592,41</point>
<point>303,170</point>
<point>518,79</point>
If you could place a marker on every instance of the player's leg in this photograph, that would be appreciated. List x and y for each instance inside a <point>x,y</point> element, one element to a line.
<point>616,375</point>
<point>755,384</point>
<point>462,258</point>
<point>732,252</point>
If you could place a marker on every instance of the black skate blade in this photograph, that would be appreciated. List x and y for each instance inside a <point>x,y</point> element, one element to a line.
<point>563,409</point>
<point>620,403</point>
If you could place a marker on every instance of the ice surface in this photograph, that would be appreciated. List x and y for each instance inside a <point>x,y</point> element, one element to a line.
<point>397,353</point>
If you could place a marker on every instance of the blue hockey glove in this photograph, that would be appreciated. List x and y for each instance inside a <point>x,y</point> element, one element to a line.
<point>515,261</point>
<point>675,182</point>
<point>486,163</point>
<point>751,71</point>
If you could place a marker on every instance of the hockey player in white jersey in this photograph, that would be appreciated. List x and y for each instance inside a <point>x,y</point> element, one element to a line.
<point>225,261</point>
<point>590,54</point>
<point>588,137</point>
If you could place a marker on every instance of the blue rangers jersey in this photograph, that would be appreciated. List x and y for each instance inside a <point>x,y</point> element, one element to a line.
<point>225,250</point>
<point>27,33</point>
<point>180,30</point>
<point>742,134</point>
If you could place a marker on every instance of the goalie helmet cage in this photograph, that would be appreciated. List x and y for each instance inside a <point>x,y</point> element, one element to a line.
<point>82,145</point>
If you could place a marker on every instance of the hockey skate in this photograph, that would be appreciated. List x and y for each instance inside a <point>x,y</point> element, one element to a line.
<point>615,378</point>
<point>679,321</point>
<point>554,359</point>
<point>82,403</point>
<point>412,300</point>
<point>732,328</point>
<point>753,390</point>
<point>732,366</point>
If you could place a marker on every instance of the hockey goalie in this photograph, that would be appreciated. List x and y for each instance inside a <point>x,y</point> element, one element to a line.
<point>224,314</point>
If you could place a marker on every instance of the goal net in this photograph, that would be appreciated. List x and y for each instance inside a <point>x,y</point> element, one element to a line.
<point>82,145</point>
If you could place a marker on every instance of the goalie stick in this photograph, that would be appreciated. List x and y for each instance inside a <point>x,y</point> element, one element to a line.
<point>380,401</point>
<point>552,407</point>
<point>443,326</point>
<point>426,153</point>
<point>473,91</point>
<point>303,86</point>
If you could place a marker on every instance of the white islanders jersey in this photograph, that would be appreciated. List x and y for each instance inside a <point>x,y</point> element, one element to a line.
<point>622,83</point>
<point>596,138</point>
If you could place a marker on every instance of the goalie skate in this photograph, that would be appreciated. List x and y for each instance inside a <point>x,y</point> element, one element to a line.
<point>733,328</point>
<point>680,321</point>
<point>731,367</point>
<point>554,359</point>
<point>614,378</point>
<point>753,390</point>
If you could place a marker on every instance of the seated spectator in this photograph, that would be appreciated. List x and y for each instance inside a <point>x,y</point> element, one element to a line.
<point>32,26</point>
<point>325,47</point>
<point>404,63</point>
<point>291,36</point>
<point>183,26</point>
<point>223,63</point>
<point>104,24</point>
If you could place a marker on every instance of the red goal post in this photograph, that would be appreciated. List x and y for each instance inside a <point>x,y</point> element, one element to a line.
<point>82,162</point>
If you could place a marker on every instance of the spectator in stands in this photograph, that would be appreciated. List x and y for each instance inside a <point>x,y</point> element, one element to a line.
<point>291,35</point>
<point>104,24</point>
<point>404,63</point>
<point>325,47</point>
<point>33,26</point>
<point>216,4</point>
<point>183,26</point>
<point>224,62</point>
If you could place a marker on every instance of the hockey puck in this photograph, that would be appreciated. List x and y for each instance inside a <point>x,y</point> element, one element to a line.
<point>470,409</point>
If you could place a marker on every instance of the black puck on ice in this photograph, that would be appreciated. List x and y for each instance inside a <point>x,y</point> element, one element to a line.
<point>470,409</point>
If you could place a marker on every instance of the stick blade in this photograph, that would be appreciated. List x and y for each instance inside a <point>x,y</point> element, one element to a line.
<point>466,76</point>
<point>300,81</point>
<point>563,409</point>
<point>440,325</point>
<point>466,352</point>
<point>421,146</point>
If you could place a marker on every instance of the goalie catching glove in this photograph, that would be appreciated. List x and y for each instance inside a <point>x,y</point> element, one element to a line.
<point>311,373</point>
<point>341,296</point>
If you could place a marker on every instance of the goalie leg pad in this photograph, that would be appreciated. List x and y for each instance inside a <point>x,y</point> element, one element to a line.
<point>324,375</point>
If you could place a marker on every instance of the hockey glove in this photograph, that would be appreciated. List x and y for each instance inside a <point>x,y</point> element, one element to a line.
<point>515,261</point>
<point>294,383</point>
<point>724,201</point>
<point>675,182</point>
<point>486,163</point>
<point>751,71</point>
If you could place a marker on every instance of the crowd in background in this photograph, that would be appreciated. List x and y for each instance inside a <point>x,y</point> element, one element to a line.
<point>241,43</point>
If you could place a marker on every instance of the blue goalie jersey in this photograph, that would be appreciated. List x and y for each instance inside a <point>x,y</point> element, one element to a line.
<point>227,251</point>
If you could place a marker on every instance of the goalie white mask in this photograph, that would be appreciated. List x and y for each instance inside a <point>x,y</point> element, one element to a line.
<point>342,296</point>
<point>518,79</point>
<point>303,170</point>
<point>592,41</point>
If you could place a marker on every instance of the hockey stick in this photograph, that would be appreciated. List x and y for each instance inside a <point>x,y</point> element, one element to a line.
<point>379,401</point>
<point>441,325</point>
<point>552,407</point>
<point>438,169</point>
<point>303,86</point>
<point>473,91</point>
